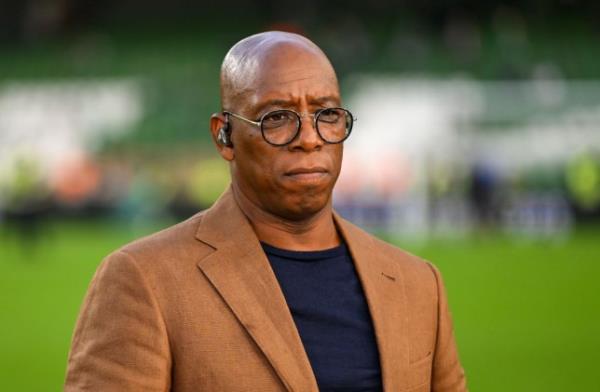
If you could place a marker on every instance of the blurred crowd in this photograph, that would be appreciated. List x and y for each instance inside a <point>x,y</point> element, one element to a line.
<point>456,200</point>
<point>103,108</point>
<point>132,188</point>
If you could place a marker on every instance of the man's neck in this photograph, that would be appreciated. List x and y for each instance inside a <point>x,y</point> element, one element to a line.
<point>313,233</point>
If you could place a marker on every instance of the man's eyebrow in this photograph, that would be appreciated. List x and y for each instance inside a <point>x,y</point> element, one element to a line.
<point>289,103</point>
<point>273,102</point>
<point>323,100</point>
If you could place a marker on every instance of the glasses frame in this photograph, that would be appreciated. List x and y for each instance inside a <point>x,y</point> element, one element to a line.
<point>315,116</point>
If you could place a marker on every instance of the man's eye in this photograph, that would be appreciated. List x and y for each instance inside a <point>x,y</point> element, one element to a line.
<point>277,119</point>
<point>330,115</point>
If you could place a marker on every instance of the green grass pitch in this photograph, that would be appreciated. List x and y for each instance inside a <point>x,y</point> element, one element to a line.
<point>526,314</point>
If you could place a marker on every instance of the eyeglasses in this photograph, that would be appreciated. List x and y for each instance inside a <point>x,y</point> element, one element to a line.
<point>281,127</point>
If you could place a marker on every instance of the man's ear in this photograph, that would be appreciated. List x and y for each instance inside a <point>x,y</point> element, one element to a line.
<point>221,134</point>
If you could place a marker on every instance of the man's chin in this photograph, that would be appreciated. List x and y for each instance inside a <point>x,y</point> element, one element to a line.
<point>309,185</point>
<point>301,200</point>
<point>304,207</point>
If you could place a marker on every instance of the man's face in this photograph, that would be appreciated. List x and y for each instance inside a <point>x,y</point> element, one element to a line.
<point>293,181</point>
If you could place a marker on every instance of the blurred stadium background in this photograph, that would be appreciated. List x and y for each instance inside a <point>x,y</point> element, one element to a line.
<point>477,146</point>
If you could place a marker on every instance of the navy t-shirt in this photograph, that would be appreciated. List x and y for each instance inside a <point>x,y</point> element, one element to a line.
<point>329,308</point>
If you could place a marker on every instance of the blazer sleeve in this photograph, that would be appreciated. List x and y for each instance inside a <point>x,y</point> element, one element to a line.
<point>447,372</point>
<point>120,341</point>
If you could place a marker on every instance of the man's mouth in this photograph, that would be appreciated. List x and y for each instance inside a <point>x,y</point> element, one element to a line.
<point>307,173</point>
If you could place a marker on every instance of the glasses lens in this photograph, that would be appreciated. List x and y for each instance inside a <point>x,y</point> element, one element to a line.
<point>280,127</point>
<point>334,124</point>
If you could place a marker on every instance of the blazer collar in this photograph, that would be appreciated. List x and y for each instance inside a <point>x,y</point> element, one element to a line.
<point>240,271</point>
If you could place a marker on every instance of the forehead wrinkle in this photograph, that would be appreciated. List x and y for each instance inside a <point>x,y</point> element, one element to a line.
<point>289,100</point>
<point>287,81</point>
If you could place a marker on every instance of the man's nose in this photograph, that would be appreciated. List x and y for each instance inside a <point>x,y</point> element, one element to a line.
<point>308,138</point>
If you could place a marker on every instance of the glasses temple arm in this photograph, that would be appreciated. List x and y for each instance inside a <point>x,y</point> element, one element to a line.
<point>257,123</point>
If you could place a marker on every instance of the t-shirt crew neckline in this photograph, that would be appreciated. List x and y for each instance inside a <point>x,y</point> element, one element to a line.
<point>305,255</point>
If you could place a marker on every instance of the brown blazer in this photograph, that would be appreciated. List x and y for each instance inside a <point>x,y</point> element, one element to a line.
<point>196,307</point>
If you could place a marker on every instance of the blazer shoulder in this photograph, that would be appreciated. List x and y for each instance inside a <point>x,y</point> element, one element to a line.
<point>176,242</point>
<point>394,254</point>
<point>420,272</point>
<point>410,264</point>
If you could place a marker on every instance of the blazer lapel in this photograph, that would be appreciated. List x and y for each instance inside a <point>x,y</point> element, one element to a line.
<point>383,286</point>
<point>241,273</point>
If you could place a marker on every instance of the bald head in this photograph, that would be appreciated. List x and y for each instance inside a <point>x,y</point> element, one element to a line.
<point>249,60</point>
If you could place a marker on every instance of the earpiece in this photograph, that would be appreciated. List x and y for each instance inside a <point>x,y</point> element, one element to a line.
<point>223,135</point>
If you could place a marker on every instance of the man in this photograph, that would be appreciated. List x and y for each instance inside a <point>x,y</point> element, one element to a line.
<point>269,289</point>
